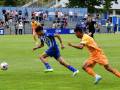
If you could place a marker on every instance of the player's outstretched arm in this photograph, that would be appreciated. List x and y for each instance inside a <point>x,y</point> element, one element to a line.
<point>59,38</point>
<point>39,46</point>
<point>79,46</point>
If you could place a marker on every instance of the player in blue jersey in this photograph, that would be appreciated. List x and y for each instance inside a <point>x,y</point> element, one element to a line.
<point>52,51</point>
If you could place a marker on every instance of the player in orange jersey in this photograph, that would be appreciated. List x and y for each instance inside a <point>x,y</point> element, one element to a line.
<point>96,55</point>
<point>34,24</point>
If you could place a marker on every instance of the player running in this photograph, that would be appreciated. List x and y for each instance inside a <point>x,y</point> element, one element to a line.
<point>34,24</point>
<point>96,55</point>
<point>53,50</point>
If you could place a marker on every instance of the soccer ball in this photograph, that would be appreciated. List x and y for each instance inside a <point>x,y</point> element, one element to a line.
<point>4,66</point>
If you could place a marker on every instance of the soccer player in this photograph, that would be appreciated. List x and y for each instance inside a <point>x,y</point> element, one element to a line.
<point>96,55</point>
<point>34,24</point>
<point>52,51</point>
<point>91,26</point>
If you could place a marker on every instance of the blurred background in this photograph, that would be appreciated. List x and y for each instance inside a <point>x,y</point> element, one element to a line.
<point>59,14</point>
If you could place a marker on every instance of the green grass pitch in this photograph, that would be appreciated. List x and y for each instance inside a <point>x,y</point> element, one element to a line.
<point>26,71</point>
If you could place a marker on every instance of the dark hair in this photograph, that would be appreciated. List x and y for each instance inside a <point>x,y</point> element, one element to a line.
<point>78,29</point>
<point>39,29</point>
<point>32,18</point>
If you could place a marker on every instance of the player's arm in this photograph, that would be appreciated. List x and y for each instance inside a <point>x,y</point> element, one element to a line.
<point>39,46</point>
<point>60,40</point>
<point>78,46</point>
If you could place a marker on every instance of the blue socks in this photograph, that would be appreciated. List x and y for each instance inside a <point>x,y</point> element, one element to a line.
<point>72,68</point>
<point>69,67</point>
<point>47,66</point>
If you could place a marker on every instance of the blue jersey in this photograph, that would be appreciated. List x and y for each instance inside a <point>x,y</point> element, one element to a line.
<point>49,39</point>
<point>53,50</point>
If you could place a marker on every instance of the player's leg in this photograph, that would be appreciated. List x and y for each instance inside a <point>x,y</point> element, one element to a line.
<point>62,61</point>
<point>103,61</point>
<point>34,35</point>
<point>88,67</point>
<point>44,61</point>
<point>67,65</point>
<point>110,69</point>
<point>57,56</point>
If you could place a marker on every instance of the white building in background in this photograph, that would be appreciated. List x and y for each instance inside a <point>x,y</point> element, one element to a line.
<point>30,3</point>
<point>116,8</point>
<point>61,3</point>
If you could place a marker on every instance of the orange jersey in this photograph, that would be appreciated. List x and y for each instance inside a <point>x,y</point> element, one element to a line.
<point>34,24</point>
<point>96,53</point>
<point>91,45</point>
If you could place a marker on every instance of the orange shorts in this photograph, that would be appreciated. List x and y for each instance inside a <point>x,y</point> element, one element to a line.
<point>98,58</point>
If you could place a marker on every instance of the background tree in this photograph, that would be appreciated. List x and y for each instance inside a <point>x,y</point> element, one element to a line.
<point>15,2</point>
<point>21,2</point>
<point>90,4</point>
<point>10,2</point>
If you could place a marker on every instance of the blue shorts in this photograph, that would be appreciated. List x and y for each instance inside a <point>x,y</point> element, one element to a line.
<point>53,52</point>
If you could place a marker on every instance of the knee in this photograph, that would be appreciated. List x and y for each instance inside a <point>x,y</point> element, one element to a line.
<point>107,67</point>
<point>60,62</point>
<point>84,68</point>
<point>41,58</point>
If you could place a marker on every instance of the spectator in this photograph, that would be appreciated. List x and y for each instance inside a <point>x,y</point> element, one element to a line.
<point>1,23</point>
<point>115,28</point>
<point>1,27</point>
<point>71,14</point>
<point>56,14</point>
<point>98,26</point>
<point>54,24</point>
<point>65,21</point>
<point>109,26</point>
<point>16,27</point>
<point>20,27</point>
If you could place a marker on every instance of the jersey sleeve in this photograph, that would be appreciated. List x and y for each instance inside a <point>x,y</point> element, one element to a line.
<point>84,40</point>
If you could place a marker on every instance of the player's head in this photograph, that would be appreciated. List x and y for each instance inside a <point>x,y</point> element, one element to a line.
<point>33,19</point>
<point>79,31</point>
<point>39,30</point>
